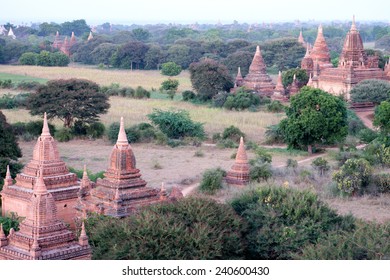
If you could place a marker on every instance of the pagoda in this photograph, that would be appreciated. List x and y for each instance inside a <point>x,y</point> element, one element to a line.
<point>11,33</point>
<point>354,66</point>
<point>60,183</point>
<point>72,40</point>
<point>65,47</point>
<point>238,82</point>
<point>279,92</point>
<point>320,50</point>
<point>122,190</point>
<point>307,62</point>
<point>57,41</point>
<point>301,40</point>
<point>257,78</point>
<point>42,236</point>
<point>239,173</point>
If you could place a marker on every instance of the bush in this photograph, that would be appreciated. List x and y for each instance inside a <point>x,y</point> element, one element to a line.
<point>64,135</point>
<point>190,229</point>
<point>241,100</point>
<point>219,99</point>
<point>6,84</point>
<point>291,163</point>
<point>367,135</point>
<point>28,58</point>
<point>377,153</point>
<point>371,91</point>
<point>142,132</point>
<point>141,93</point>
<point>263,155</point>
<point>212,180</point>
<point>169,85</point>
<point>28,85</point>
<point>233,133</point>
<point>170,69</point>
<point>188,95</point>
<point>382,182</point>
<point>92,176</point>
<point>176,124</point>
<point>35,128</point>
<point>321,165</point>
<point>370,241</point>
<point>227,144</point>
<point>273,135</point>
<point>275,106</point>
<point>281,221</point>
<point>353,175</point>
<point>9,222</point>
<point>355,124</point>
<point>259,171</point>
<point>95,130</point>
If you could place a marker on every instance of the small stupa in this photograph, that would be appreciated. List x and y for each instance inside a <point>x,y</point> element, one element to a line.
<point>307,62</point>
<point>239,173</point>
<point>72,40</point>
<point>42,236</point>
<point>11,33</point>
<point>90,36</point>
<point>279,92</point>
<point>301,40</point>
<point>57,44</point>
<point>294,89</point>
<point>238,82</point>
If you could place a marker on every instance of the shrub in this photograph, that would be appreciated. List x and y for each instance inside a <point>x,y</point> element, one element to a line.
<point>6,84</point>
<point>355,124</point>
<point>367,135</point>
<point>191,228</point>
<point>7,102</point>
<point>133,134</point>
<point>112,132</point>
<point>28,58</point>
<point>233,133</point>
<point>275,106</point>
<point>141,93</point>
<point>170,69</point>
<point>377,153</point>
<point>259,171</point>
<point>35,128</point>
<point>112,90</point>
<point>95,130</point>
<point>169,85</point>
<point>92,176</point>
<point>212,180</point>
<point>176,124</point>
<point>9,222</point>
<point>227,143</point>
<point>263,155</point>
<point>219,99</point>
<point>281,221</point>
<point>241,100</point>
<point>291,163</point>
<point>370,241</point>
<point>28,85</point>
<point>63,135</point>
<point>370,91</point>
<point>273,135</point>
<point>321,165</point>
<point>382,182</point>
<point>188,95</point>
<point>353,175</point>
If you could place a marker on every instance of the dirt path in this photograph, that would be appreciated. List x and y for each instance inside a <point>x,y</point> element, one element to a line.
<point>366,118</point>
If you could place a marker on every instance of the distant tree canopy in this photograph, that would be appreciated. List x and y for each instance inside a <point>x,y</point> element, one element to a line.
<point>371,91</point>
<point>130,55</point>
<point>314,117</point>
<point>242,59</point>
<point>300,74</point>
<point>79,27</point>
<point>69,100</point>
<point>382,117</point>
<point>208,77</point>
<point>44,58</point>
<point>170,69</point>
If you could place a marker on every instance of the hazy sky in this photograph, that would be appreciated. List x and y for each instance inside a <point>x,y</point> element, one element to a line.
<point>152,11</point>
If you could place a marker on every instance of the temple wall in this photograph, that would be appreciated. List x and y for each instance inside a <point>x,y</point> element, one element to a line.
<point>66,211</point>
<point>11,204</point>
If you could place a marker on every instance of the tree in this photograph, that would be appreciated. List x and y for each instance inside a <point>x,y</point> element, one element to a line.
<point>242,59</point>
<point>170,69</point>
<point>28,58</point>
<point>79,27</point>
<point>129,54</point>
<point>103,53</point>
<point>283,53</point>
<point>9,149</point>
<point>170,87</point>
<point>314,117</point>
<point>153,57</point>
<point>140,34</point>
<point>300,74</point>
<point>180,54</point>
<point>69,100</point>
<point>371,91</point>
<point>46,29</point>
<point>208,77</point>
<point>382,117</point>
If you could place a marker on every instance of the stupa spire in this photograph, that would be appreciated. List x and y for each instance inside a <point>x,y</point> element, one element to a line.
<point>90,36</point>
<point>122,137</point>
<point>8,179</point>
<point>45,128</point>
<point>239,173</point>
<point>300,38</point>
<point>353,25</point>
<point>83,239</point>
<point>241,153</point>
<point>40,187</point>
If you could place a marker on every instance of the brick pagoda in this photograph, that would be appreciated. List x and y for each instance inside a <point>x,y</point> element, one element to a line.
<point>279,92</point>
<point>42,236</point>
<point>320,51</point>
<point>239,173</point>
<point>354,66</point>
<point>122,190</point>
<point>257,78</point>
<point>61,184</point>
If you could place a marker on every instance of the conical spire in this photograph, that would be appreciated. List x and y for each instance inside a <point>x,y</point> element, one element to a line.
<point>90,37</point>
<point>294,78</point>
<point>122,137</point>
<point>257,65</point>
<point>8,179</point>
<point>300,38</point>
<point>40,187</point>
<point>320,30</point>
<point>353,26</point>
<point>57,34</point>
<point>241,153</point>
<point>239,76</point>
<point>2,235</point>
<point>83,239</point>
<point>307,54</point>
<point>85,182</point>
<point>45,128</point>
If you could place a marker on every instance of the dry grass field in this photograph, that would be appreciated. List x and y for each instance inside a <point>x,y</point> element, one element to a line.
<point>147,79</point>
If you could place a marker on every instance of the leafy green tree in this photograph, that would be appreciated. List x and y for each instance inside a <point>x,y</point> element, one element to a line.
<point>170,85</point>
<point>82,50</point>
<point>79,27</point>
<point>44,59</point>
<point>242,59</point>
<point>28,58</point>
<point>208,77</point>
<point>170,69</point>
<point>153,57</point>
<point>9,149</point>
<point>180,54</point>
<point>103,53</point>
<point>314,117</point>
<point>282,54</point>
<point>371,91</point>
<point>140,34</point>
<point>288,76</point>
<point>46,29</point>
<point>69,100</point>
<point>59,59</point>
<point>176,124</point>
<point>129,55</point>
<point>382,117</point>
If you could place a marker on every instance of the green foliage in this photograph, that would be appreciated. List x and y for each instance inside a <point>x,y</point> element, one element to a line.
<point>176,124</point>
<point>291,163</point>
<point>9,222</point>
<point>28,58</point>
<point>28,85</point>
<point>64,134</point>
<point>242,59</point>
<point>212,180</point>
<point>260,170</point>
<point>263,155</point>
<point>10,101</point>
<point>355,124</point>
<point>241,100</point>
<point>208,77</point>
<point>382,182</point>
<point>377,153</point>
<point>275,106</point>
<point>382,116</point>
<point>142,132</point>
<point>69,100</point>
<point>6,83</point>
<point>353,175</point>
<point>301,76</point>
<point>92,176</point>
<point>170,69</point>
<point>321,165</point>
<point>130,55</point>
<point>220,99</point>
<point>370,241</point>
<point>233,133</point>
<point>189,229</point>
<point>95,130</point>
<point>367,135</point>
<point>371,91</point>
<point>274,135</point>
<point>169,85</point>
<point>34,128</point>
<point>281,221</point>
<point>282,54</point>
<point>314,117</point>
<point>188,95</point>
<point>141,93</point>
<point>44,58</point>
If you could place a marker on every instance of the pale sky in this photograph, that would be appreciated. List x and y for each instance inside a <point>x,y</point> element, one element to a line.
<point>182,11</point>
